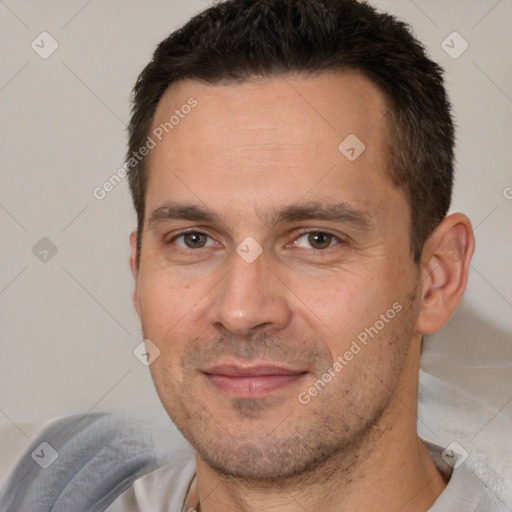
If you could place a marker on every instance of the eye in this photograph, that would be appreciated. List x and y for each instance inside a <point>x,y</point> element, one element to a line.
<point>316,240</point>
<point>193,240</point>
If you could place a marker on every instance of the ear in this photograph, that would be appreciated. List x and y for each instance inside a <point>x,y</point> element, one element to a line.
<point>445,266</point>
<point>134,267</point>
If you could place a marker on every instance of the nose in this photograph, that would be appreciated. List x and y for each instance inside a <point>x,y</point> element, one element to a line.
<point>249,299</point>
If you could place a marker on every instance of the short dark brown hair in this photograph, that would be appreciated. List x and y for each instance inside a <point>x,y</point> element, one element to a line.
<point>236,40</point>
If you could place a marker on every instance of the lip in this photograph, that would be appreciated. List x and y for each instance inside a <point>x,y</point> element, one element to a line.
<point>251,381</point>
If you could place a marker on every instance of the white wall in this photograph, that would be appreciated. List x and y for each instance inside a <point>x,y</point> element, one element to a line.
<point>68,328</point>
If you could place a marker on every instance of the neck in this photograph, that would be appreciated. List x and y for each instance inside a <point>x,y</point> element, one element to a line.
<point>393,471</point>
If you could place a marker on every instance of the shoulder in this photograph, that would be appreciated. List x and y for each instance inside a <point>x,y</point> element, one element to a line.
<point>95,458</point>
<point>465,491</point>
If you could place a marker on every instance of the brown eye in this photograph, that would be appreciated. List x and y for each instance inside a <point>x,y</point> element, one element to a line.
<point>195,240</point>
<point>320,240</point>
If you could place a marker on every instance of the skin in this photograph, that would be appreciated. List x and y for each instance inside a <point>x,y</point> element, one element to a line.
<point>247,152</point>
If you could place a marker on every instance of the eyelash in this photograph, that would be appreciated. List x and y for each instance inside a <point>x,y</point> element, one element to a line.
<point>191,231</point>
<point>307,231</point>
<point>300,234</point>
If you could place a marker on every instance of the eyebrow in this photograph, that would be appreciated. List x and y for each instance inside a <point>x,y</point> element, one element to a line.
<point>181,211</point>
<point>335,212</point>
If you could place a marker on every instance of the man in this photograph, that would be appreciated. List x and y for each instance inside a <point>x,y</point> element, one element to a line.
<point>291,165</point>
<point>293,247</point>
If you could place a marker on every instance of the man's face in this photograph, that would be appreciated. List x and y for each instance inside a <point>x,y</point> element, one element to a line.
<point>268,256</point>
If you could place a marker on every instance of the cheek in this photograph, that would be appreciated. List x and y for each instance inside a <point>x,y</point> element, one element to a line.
<point>168,296</point>
<point>346,300</point>
<point>363,308</point>
<point>167,307</point>
<point>167,317</point>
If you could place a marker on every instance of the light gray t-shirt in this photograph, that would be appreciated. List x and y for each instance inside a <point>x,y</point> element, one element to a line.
<point>166,489</point>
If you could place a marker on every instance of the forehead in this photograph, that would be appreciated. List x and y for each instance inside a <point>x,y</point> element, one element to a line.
<point>270,140</point>
<point>307,108</point>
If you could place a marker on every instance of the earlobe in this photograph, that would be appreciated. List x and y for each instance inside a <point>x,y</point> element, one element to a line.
<point>445,269</point>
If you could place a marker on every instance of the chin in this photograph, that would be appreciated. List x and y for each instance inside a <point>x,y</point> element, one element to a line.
<point>264,456</point>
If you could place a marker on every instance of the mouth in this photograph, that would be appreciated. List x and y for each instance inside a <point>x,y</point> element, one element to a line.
<point>251,381</point>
